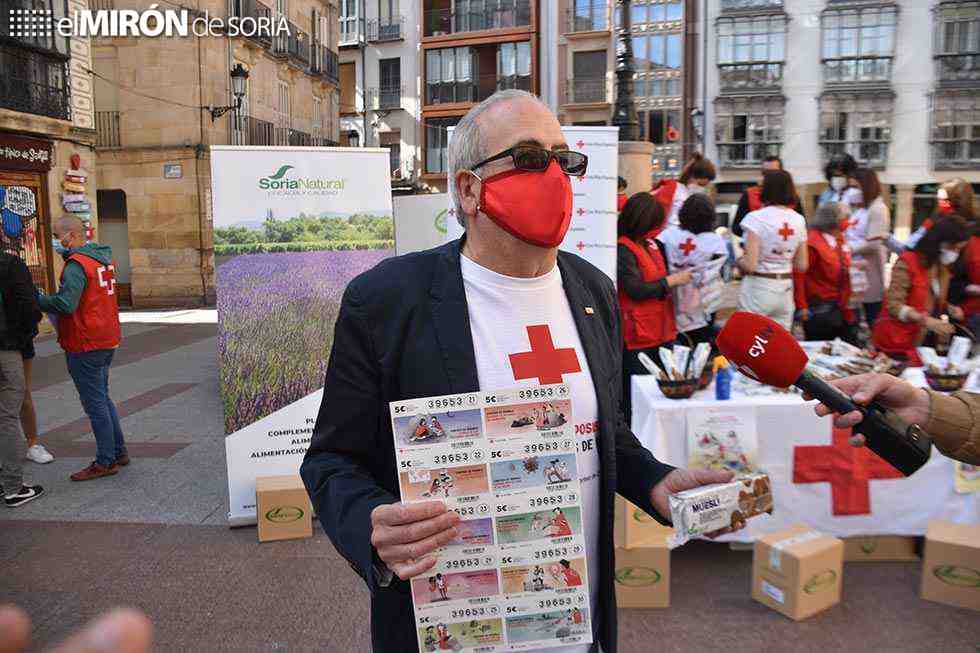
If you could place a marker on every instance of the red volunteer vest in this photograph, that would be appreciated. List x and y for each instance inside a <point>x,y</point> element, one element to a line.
<point>648,322</point>
<point>826,278</point>
<point>621,199</point>
<point>664,194</point>
<point>95,323</point>
<point>890,334</point>
<point>971,305</point>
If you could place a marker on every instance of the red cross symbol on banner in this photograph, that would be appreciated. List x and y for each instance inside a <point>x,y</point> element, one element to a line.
<point>580,144</point>
<point>786,232</point>
<point>688,246</point>
<point>580,212</point>
<point>848,470</point>
<point>580,245</point>
<point>107,278</point>
<point>544,361</point>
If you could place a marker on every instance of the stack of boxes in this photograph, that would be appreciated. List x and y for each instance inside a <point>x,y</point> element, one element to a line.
<point>642,559</point>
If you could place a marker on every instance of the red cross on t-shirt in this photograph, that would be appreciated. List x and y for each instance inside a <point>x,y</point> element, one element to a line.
<point>848,470</point>
<point>786,232</point>
<point>580,245</point>
<point>688,246</point>
<point>107,278</point>
<point>544,362</point>
<point>580,144</point>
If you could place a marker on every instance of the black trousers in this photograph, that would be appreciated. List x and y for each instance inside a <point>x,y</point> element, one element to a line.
<point>827,323</point>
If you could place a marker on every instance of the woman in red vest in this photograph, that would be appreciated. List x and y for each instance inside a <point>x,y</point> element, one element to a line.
<point>694,178</point>
<point>918,290</point>
<point>823,291</point>
<point>643,285</point>
<point>959,200</point>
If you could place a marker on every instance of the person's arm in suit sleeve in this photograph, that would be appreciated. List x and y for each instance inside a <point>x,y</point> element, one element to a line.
<point>954,424</point>
<point>637,470</point>
<point>346,436</point>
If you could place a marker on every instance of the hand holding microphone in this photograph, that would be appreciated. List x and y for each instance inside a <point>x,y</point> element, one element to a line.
<point>765,351</point>
<point>908,402</point>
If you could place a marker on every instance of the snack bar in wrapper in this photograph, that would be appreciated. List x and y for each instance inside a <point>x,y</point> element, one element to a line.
<point>711,508</point>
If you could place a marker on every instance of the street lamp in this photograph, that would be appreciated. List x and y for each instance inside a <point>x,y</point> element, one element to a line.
<point>353,138</point>
<point>238,78</point>
<point>624,114</point>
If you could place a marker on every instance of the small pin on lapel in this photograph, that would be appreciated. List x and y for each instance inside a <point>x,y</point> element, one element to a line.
<point>589,310</point>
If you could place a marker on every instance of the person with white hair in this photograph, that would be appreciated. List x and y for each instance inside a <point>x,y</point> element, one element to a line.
<point>88,330</point>
<point>500,307</point>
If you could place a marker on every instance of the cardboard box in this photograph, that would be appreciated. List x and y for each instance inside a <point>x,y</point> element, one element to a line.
<point>283,508</point>
<point>951,567</point>
<point>879,548</point>
<point>643,575</point>
<point>797,571</point>
<point>634,527</point>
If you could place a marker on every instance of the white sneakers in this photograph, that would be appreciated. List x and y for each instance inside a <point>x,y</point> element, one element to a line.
<point>39,454</point>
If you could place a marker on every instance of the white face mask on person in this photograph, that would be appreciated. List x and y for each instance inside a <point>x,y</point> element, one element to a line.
<point>948,256</point>
<point>838,183</point>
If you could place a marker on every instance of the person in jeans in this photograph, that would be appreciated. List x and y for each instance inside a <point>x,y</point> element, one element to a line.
<point>19,316</point>
<point>88,330</point>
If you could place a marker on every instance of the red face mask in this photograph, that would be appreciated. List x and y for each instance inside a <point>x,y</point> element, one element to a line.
<point>535,207</point>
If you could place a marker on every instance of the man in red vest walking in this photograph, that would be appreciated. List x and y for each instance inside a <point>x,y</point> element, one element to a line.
<point>87,316</point>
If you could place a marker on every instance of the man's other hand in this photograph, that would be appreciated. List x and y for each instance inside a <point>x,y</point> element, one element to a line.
<point>120,631</point>
<point>404,534</point>
<point>907,401</point>
<point>686,479</point>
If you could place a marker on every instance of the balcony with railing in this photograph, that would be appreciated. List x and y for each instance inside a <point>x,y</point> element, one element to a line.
<point>741,5</point>
<point>380,30</point>
<point>587,90</point>
<point>249,130</point>
<point>386,98</point>
<point>107,130</point>
<point>469,90</point>
<point>742,153</point>
<point>739,78</point>
<point>593,17</point>
<point>254,11</point>
<point>16,32</point>
<point>298,46</point>
<point>35,83</point>
<point>330,66</point>
<point>872,153</point>
<point>958,69</point>
<point>857,71</point>
<point>468,17</point>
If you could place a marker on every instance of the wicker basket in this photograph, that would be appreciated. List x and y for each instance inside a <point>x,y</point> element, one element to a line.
<point>946,382</point>
<point>678,389</point>
<point>706,375</point>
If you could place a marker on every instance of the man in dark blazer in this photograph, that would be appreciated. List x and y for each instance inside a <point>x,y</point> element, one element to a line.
<point>413,327</point>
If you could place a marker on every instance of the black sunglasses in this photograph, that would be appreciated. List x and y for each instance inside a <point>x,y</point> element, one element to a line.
<point>537,159</point>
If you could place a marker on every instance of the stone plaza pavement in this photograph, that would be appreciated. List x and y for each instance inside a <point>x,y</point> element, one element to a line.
<point>155,537</point>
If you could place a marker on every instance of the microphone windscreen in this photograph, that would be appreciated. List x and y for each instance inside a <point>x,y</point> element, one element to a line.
<point>762,349</point>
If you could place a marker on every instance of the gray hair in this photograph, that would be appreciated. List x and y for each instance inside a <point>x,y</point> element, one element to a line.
<point>71,223</point>
<point>467,148</point>
<point>827,217</point>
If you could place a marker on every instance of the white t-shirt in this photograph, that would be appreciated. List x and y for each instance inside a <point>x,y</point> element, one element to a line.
<point>681,193</point>
<point>780,231</point>
<point>857,228</point>
<point>504,312</point>
<point>686,250</point>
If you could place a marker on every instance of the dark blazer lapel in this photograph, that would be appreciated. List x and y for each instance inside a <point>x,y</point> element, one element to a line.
<point>451,321</point>
<point>590,332</point>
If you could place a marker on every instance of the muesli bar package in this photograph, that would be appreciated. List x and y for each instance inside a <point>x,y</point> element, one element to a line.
<point>711,508</point>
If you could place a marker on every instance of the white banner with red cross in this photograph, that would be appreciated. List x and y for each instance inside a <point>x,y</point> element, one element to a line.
<point>817,477</point>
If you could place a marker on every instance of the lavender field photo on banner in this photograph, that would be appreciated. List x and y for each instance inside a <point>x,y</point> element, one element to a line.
<point>276,314</point>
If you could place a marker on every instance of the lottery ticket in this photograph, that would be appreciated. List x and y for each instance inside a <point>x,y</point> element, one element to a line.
<point>516,576</point>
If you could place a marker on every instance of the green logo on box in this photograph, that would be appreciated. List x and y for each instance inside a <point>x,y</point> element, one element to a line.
<point>642,517</point>
<point>284,514</point>
<point>819,582</point>
<point>955,575</point>
<point>869,545</point>
<point>637,576</point>
<point>440,221</point>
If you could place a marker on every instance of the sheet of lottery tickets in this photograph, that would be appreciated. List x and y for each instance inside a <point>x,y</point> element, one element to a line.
<point>516,576</point>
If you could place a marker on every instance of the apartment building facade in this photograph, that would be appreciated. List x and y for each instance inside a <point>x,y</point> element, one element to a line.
<point>154,99</point>
<point>379,82</point>
<point>580,53</point>
<point>46,131</point>
<point>895,83</point>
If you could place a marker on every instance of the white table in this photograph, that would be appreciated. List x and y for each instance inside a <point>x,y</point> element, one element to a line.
<point>900,506</point>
